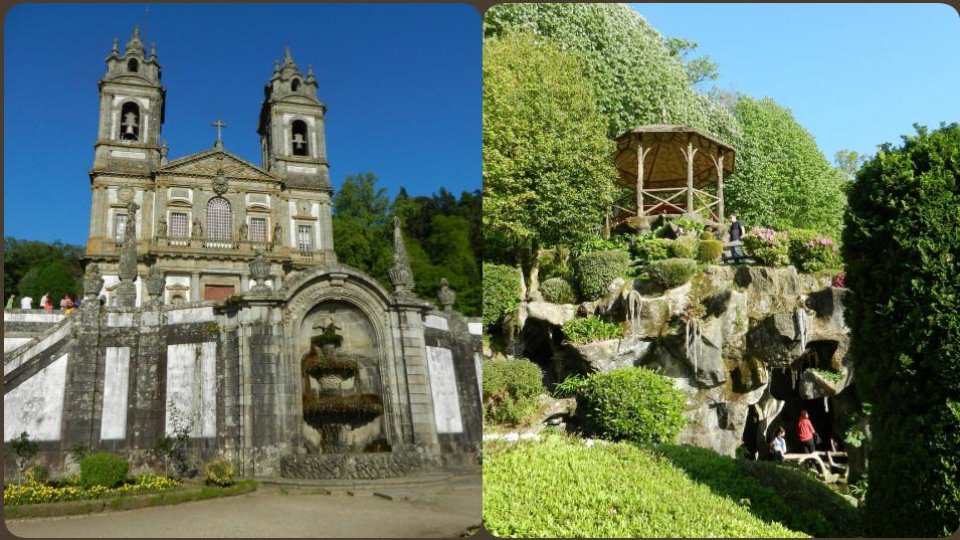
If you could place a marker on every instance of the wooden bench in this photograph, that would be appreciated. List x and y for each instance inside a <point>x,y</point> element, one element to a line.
<point>728,251</point>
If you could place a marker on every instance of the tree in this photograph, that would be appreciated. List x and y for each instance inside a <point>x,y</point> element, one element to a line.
<point>547,167</point>
<point>33,268</point>
<point>361,226</point>
<point>699,69</point>
<point>633,74</point>
<point>782,179</point>
<point>902,249</point>
<point>848,161</point>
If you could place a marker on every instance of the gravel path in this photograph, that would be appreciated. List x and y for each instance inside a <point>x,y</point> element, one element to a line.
<point>429,511</point>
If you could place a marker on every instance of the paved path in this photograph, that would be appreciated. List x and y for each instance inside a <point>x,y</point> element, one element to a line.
<point>427,511</point>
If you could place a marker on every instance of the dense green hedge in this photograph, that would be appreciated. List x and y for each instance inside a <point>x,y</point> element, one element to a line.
<point>591,329</point>
<point>595,271</point>
<point>501,292</point>
<point>558,291</point>
<point>562,488</point>
<point>102,469</point>
<point>510,390</point>
<point>901,245</point>
<point>648,248</point>
<point>671,273</point>
<point>684,247</point>
<point>634,404</point>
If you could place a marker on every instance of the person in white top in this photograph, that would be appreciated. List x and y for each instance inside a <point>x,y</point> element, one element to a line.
<point>26,303</point>
<point>779,445</point>
<point>43,299</point>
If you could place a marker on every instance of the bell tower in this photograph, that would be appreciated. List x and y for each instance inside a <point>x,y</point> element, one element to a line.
<point>131,110</point>
<point>292,134</point>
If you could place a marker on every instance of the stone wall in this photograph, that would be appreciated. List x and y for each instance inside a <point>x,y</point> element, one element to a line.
<point>121,379</point>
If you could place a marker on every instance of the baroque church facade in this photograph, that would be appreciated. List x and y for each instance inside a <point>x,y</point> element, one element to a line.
<point>224,316</point>
<point>202,217</point>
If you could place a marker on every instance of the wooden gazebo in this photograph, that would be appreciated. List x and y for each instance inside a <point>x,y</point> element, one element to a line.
<point>673,170</point>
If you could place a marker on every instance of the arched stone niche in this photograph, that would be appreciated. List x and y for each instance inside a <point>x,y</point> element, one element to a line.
<point>360,308</point>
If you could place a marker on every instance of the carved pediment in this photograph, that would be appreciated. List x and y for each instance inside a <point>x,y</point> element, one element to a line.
<point>214,162</point>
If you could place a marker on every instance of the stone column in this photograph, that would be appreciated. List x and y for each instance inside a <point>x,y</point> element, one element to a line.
<point>195,294</point>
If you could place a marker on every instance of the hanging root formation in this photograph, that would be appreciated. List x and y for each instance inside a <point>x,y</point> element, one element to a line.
<point>694,343</point>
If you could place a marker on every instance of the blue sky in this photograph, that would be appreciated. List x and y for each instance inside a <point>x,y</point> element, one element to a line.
<point>854,75</point>
<point>401,83</point>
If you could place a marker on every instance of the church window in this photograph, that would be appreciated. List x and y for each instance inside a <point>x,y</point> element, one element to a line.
<point>133,65</point>
<point>305,238</point>
<point>119,226</point>
<point>258,229</point>
<point>219,219</point>
<point>179,225</point>
<point>299,129</point>
<point>130,122</point>
<point>295,85</point>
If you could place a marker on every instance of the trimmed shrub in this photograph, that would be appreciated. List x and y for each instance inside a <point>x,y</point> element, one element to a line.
<point>671,273</point>
<point>901,245</point>
<point>709,251</point>
<point>558,291</point>
<point>102,469</point>
<point>596,270</point>
<point>811,251</point>
<point>37,474</point>
<point>219,472</point>
<point>648,248</point>
<point>684,247</point>
<point>555,263</point>
<point>501,292</point>
<point>634,404</point>
<point>591,329</point>
<point>707,235</point>
<point>767,246</point>
<point>510,390</point>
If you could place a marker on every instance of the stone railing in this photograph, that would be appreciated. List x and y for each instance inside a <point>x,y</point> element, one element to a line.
<point>243,246</point>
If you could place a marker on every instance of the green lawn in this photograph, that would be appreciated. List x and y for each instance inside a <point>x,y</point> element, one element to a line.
<point>563,488</point>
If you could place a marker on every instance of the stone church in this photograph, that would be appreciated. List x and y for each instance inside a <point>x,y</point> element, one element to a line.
<point>203,216</point>
<point>215,310</point>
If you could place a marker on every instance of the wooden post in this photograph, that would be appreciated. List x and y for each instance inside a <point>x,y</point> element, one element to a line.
<point>641,155</point>
<point>720,186</point>
<point>689,157</point>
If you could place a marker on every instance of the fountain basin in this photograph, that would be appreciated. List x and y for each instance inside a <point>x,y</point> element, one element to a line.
<point>356,466</point>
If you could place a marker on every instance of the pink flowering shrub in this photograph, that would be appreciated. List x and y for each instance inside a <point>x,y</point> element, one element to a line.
<point>811,251</point>
<point>839,280</point>
<point>767,246</point>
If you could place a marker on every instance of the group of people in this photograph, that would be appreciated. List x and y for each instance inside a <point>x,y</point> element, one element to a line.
<point>68,303</point>
<point>806,434</point>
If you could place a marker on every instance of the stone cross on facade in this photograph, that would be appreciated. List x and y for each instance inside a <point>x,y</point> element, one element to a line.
<point>219,125</point>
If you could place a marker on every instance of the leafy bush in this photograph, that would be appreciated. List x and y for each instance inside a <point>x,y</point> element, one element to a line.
<point>219,472</point>
<point>501,292</point>
<point>706,235</point>
<point>671,273</point>
<point>684,247</point>
<point>595,243</point>
<point>767,246</point>
<point>688,226</point>
<point>102,469</point>
<point>772,492</point>
<point>37,474</point>
<point>591,329</point>
<point>647,248</point>
<point>595,271</point>
<point>901,245</point>
<point>558,291</point>
<point>709,251</point>
<point>555,263</point>
<point>635,404</point>
<point>605,491</point>
<point>810,251</point>
<point>510,390</point>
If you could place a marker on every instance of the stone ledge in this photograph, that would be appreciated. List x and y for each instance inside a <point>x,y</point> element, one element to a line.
<point>357,466</point>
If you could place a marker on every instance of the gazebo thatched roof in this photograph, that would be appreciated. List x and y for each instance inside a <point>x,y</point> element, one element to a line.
<point>665,165</point>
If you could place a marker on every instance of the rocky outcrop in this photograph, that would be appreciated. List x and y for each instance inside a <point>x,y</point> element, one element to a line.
<point>720,337</point>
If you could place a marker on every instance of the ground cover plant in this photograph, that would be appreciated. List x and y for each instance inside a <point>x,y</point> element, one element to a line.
<point>590,329</point>
<point>74,490</point>
<point>774,492</point>
<point>561,487</point>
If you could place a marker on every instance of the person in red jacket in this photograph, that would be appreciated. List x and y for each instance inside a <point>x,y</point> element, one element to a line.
<point>806,433</point>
